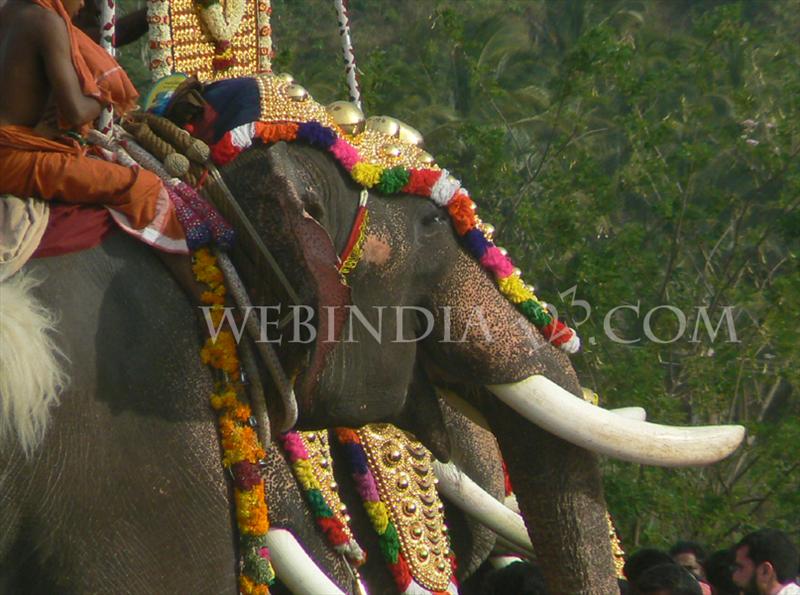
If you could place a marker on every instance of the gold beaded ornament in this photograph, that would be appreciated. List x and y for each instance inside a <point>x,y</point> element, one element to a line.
<point>179,42</point>
<point>403,471</point>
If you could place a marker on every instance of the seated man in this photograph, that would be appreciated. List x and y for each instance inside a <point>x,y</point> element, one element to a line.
<point>61,81</point>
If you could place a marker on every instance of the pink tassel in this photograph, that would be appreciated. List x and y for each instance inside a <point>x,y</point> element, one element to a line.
<point>494,260</point>
<point>345,153</point>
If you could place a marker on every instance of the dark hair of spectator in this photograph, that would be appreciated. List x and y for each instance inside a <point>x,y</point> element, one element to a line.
<point>518,577</point>
<point>642,560</point>
<point>718,572</point>
<point>688,547</point>
<point>775,547</point>
<point>672,578</point>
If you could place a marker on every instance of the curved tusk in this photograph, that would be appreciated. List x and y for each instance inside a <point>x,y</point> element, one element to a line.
<point>295,568</point>
<point>635,413</point>
<point>472,499</point>
<point>554,409</point>
<point>503,561</point>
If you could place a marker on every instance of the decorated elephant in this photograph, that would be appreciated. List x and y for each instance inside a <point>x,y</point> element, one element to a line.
<point>125,491</point>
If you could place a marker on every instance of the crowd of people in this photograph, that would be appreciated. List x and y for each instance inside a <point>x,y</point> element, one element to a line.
<point>764,562</point>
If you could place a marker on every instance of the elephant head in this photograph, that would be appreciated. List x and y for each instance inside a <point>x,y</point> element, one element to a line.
<point>448,325</point>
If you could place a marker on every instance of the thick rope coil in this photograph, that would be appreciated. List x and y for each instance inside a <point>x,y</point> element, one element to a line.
<point>193,148</point>
<point>175,163</point>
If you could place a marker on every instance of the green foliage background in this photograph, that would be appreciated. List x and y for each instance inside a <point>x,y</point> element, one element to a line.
<point>628,152</point>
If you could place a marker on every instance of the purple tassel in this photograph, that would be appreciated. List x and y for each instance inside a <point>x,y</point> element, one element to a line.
<point>476,243</point>
<point>316,135</point>
<point>221,231</point>
<point>357,457</point>
<point>196,230</point>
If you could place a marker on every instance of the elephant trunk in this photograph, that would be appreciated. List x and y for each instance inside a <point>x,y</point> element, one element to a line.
<point>562,500</point>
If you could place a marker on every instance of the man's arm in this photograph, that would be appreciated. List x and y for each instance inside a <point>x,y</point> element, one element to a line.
<point>75,107</point>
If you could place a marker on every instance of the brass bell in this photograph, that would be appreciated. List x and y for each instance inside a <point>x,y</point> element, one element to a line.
<point>285,77</point>
<point>347,116</point>
<point>488,230</point>
<point>384,124</point>
<point>409,134</point>
<point>297,92</point>
<point>392,150</point>
<point>425,157</point>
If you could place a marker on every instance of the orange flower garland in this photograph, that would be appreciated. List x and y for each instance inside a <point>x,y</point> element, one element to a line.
<point>241,452</point>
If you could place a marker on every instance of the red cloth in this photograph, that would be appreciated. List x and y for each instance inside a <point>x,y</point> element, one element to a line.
<point>72,228</point>
<point>35,166</point>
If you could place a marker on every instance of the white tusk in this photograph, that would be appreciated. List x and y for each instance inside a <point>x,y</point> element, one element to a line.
<point>295,568</point>
<point>503,561</point>
<point>472,499</point>
<point>635,413</point>
<point>554,409</point>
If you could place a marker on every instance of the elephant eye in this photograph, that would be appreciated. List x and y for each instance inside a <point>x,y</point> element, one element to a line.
<point>435,217</point>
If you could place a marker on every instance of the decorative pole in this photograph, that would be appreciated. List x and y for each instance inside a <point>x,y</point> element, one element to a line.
<point>347,52</point>
<point>107,10</point>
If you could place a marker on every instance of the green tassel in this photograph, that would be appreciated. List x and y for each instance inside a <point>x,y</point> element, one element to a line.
<point>535,313</point>
<point>319,508</point>
<point>390,544</point>
<point>393,179</point>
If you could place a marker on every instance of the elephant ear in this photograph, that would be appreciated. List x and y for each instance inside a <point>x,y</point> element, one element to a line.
<point>270,188</point>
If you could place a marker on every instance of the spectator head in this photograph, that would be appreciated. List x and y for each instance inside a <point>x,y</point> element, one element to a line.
<point>642,560</point>
<point>690,555</point>
<point>764,560</point>
<point>518,577</point>
<point>667,579</point>
<point>718,573</point>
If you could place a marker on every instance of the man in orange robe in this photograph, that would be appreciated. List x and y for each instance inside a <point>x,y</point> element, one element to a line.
<point>53,77</point>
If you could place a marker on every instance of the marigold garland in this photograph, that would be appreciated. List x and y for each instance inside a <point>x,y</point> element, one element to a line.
<point>241,451</point>
<point>438,185</point>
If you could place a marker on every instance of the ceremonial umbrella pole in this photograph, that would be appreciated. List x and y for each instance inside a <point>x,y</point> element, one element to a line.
<point>347,52</point>
<point>107,10</point>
